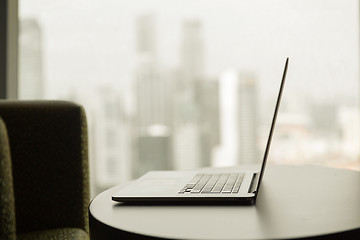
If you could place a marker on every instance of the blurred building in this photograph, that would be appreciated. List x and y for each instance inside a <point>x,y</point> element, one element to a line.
<point>228,94</point>
<point>324,115</point>
<point>191,143</point>
<point>110,137</point>
<point>192,52</point>
<point>349,122</point>
<point>207,95</point>
<point>248,119</point>
<point>154,151</point>
<point>153,101</point>
<point>187,146</point>
<point>238,118</point>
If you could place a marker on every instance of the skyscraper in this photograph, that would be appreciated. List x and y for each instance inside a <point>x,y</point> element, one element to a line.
<point>153,97</point>
<point>238,107</point>
<point>110,136</point>
<point>228,88</point>
<point>152,87</point>
<point>188,136</point>
<point>207,95</point>
<point>192,52</point>
<point>247,119</point>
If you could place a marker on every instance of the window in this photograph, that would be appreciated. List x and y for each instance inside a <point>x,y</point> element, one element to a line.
<point>187,84</point>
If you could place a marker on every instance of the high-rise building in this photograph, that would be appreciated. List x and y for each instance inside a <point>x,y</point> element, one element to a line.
<point>187,147</point>
<point>31,82</point>
<point>247,119</point>
<point>188,134</point>
<point>153,90</point>
<point>228,95</point>
<point>110,137</point>
<point>207,95</point>
<point>153,94</point>
<point>192,52</point>
<point>238,107</point>
<point>348,120</point>
<point>154,153</point>
<point>324,116</point>
<point>153,99</point>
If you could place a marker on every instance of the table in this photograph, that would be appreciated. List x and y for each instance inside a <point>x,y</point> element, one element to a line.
<point>302,202</point>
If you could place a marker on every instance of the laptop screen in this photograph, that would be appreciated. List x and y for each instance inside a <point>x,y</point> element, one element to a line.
<point>267,149</point>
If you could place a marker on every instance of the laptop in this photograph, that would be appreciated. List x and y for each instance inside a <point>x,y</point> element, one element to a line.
<point>213,186</point>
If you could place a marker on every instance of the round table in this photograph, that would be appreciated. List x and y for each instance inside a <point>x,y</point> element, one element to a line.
<point>294,202</point>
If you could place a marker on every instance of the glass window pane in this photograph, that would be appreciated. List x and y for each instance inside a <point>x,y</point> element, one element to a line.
<point>184,84</point>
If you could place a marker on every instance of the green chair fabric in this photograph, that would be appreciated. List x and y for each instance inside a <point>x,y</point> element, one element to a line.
<point>56,234</point>
<point>49,156</point>
<point>7,202</point>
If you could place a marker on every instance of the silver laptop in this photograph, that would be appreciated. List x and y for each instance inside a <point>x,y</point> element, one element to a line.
<point>200,187</point>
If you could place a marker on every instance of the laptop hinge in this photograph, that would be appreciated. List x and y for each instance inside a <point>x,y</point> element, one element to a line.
<point>254,183</point>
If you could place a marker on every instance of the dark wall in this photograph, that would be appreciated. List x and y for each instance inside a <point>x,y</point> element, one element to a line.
<point>3,47</point>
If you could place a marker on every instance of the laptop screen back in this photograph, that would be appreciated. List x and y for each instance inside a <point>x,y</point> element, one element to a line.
<point>272,126</point>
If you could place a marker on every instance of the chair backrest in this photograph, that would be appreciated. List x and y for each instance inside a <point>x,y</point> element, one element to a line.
<point>48,142</point>
<point>7,204</point>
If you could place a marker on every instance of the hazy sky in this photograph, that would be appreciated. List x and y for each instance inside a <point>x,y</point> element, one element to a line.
<point>93,41</point>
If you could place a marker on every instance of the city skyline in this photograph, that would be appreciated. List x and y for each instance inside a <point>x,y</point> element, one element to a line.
<point>182,117</point>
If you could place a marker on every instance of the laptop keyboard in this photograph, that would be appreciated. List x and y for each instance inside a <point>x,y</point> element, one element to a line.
<point>214,183</point>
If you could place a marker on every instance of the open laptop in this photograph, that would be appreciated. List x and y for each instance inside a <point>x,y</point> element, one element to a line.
<point>202,186</point>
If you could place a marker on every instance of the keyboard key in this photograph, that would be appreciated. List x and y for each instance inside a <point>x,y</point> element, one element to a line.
<point>199,186</point>
<point>220,183</point>
<point>211,183</point>
<point>238,184</point>
<point>230,183</point>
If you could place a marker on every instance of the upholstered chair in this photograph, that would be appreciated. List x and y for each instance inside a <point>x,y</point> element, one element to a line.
<point>46,194</point>
<point>7,202</point>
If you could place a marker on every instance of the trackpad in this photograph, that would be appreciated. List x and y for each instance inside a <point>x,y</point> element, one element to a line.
<point>156,185</point>
<point>152,186</point>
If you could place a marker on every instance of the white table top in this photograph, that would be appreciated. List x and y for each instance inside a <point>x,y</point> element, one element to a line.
<point>293,202</point>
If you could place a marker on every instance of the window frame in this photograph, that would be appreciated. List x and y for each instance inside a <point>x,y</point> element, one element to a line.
<point>9,49</point>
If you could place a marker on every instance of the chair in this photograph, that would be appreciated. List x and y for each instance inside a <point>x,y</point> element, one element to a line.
<point>7,203</point>
<point>47,195</point>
